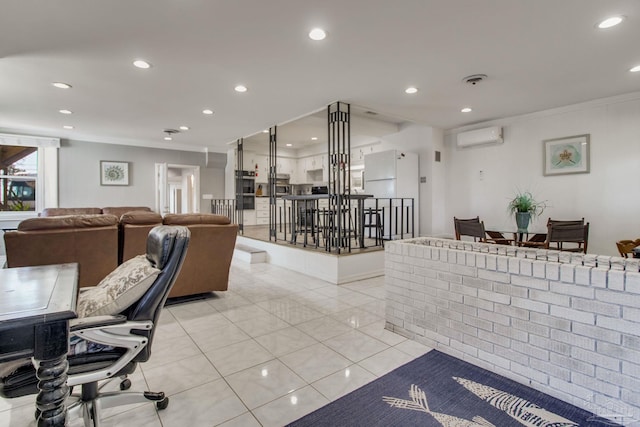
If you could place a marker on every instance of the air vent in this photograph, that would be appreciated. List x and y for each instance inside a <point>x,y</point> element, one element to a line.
<point>371,113</point>
<point>474,79</point>
<point>171,131</point>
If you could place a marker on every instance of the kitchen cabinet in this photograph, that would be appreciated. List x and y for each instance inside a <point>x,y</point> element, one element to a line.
<point>358,153</point>
<point>313,169</point>
<point>286,166</point>
<point>262,211</point>
<point>249,216</point>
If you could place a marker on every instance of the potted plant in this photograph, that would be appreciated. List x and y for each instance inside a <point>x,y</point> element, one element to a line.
<point>524,207</point>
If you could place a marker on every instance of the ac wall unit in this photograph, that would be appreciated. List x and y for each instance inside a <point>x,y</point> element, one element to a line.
<point>492,135</point>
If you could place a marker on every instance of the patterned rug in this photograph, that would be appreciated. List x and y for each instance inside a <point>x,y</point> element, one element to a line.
<point>440,390</point>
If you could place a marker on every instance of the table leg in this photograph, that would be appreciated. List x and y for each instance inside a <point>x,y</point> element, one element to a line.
<point>50,354</point>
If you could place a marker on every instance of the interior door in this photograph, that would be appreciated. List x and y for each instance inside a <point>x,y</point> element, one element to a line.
<point>186,188</point>
<point>162,188</point>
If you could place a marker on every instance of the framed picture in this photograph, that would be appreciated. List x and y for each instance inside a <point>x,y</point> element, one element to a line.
<point>114,173</point>
<point>566,155</point>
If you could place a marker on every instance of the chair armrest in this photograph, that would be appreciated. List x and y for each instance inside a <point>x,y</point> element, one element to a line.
<point>95,322</point>
<point>113,331</point>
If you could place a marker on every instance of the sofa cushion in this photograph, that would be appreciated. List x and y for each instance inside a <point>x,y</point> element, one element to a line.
<point>188,219</point>
<point>121,288</point>
<point>141,218</point>
<point>67,222</point>
<point>121,210</point>
<point>70,211</point>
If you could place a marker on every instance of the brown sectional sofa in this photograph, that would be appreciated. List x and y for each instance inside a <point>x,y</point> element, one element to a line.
<point>98,243</point>
<point>206,267</point>
<point>89,240</point>
<point>134,229</point>
<point>117,211</point>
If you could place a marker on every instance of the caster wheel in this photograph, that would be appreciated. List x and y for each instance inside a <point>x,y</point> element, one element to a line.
<point>162,404</point>
<point>125,384</point>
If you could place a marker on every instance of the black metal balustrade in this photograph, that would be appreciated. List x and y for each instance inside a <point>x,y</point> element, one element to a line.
<point>360,224</point>
<point>226,207</point>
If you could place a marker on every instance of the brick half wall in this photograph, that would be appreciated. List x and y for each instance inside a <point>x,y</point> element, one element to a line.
<point>565,324</point>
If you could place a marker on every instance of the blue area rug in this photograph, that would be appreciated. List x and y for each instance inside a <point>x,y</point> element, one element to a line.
<point>440,390</point>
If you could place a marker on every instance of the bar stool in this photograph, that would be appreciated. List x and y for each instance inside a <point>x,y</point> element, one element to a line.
<point>373,220</point>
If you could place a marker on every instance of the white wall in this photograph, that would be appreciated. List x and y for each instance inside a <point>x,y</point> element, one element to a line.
<point>79,174</point>
<point>424,141</point>
<point>608,197</point>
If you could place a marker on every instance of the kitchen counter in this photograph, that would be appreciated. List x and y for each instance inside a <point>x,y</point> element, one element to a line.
<point>326,196</point>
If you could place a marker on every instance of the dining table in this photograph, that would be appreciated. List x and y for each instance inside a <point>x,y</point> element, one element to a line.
<point>533,237</point>
<point>36,305</point>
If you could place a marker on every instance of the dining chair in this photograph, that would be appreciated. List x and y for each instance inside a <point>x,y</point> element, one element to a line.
<point>625,247</point>
<point>577,235</point>
<point>457,221</point>
<point>565,222</point>
<point>473,227</point>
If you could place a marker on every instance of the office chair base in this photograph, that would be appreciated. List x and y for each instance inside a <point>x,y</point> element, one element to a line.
<point>90,410</point>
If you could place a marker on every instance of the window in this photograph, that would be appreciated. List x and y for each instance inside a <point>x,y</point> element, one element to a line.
<point>28,174</point>
<point>18,178</point>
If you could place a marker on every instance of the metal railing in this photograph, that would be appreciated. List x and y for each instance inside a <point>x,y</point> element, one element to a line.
<point>226,207</point>
<point>355,226</point>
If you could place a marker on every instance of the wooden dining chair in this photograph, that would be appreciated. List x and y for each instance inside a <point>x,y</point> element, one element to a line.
<point>473,227</point>
<point>625,247</point>
<point>457,221</point>
<point>576,235</point>
<point>565,222</point>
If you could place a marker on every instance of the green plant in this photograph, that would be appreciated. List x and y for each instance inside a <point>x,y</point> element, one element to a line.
<point>525,202</point>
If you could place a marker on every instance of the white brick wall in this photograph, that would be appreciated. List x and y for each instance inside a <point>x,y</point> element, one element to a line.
<point>566,324</point>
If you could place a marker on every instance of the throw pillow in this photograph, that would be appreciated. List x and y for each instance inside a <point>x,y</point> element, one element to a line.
<point>121,288</point>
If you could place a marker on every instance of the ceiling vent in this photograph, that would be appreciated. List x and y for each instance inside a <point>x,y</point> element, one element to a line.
<point>491,135</point>
<point>474,79</point>
<point>170,132</point>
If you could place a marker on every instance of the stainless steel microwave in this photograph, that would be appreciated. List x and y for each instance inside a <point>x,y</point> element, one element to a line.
<point>283,190</point>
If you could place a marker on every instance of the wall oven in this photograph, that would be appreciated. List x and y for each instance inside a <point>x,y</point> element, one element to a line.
<point>245,189</point>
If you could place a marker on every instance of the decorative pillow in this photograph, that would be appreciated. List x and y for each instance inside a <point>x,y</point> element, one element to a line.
<point>121,288</point>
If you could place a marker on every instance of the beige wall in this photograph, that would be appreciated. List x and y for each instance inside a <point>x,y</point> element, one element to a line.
<point>79,177</point>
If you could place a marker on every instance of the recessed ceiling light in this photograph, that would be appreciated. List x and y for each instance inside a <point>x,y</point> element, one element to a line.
<point>140,63</point>
<point>466,110</point>
<point>317,34</point>
<point>240,88</point>
<point>207,112</point>
<point>61,85</point>
<point>184,128</point>
<point>411,89</point>
<point>67,127</point>
<point>314,138</point>
<point>610,22</point>
<point>635,69</point>
<point>265,131</point>
<point>168,138</point>
<point>66,111</point>
<point>289,145</point>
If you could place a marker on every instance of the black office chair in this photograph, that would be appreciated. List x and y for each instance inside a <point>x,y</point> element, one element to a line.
<point>126,339</point>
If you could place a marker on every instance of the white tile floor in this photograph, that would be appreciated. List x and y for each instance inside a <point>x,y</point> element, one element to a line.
<point>273,348</point>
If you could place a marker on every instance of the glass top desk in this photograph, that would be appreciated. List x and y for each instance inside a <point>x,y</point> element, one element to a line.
<point>36,304</point>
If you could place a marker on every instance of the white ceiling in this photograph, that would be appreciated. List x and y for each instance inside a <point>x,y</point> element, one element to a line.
<point>538,54</point>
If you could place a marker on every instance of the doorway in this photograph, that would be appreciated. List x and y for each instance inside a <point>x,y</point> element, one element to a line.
<point>177,188</point>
